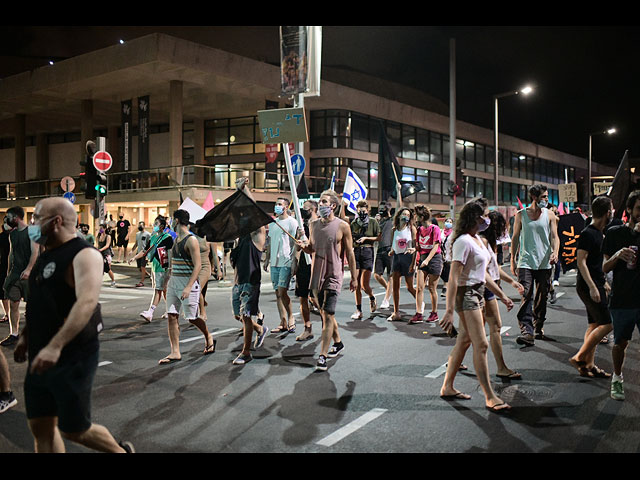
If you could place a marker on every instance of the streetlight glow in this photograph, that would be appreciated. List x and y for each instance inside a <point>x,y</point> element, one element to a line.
<point>611,130</point>
<point>526,90</point>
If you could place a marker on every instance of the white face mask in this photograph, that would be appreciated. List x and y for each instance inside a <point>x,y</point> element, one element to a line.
<point>325,210</point>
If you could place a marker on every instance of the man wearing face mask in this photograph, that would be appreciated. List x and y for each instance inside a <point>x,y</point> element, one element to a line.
<point>383,260</point>
<point>303,272</point>
<point>365,232</point>
<point>60,339</point>
<point>535,245</point>
<point>4,267</point>
<point>279,256</point>
<point>22,256</point>
<point>123,228</point>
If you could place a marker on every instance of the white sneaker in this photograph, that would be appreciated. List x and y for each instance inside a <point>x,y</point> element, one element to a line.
<point>357,315</point>
<point>556,283</point>
<point>384,304</point>
<point>147,315</point>
<point>113,284</point>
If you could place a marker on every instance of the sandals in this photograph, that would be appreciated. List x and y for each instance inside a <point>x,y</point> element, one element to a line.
<point>496,408</point>
<point>456,396</point>
<point>599,373</point>
<point>581,366</point>
<point>510,376</point>
<point>279,329</point>
<point>140,284</point>
<point>168,360</point>
<point>4,319</point>
<point>209,349</point>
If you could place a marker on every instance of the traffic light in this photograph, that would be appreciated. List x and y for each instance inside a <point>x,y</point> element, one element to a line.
<point>90,172</point>
<point>101,184</point>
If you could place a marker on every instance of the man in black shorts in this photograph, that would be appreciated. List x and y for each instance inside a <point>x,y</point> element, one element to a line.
<point>593,289</point>
<point>309,213</point>
<point>365,232</point>
<point>123,228</point>
<point>383,260</point>
<point>61,335</point>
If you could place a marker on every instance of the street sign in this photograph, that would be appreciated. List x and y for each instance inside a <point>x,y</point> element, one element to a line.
<point>67,184</point>
<point>282,125</point>
<point>102,161</point>
<point>70,196</point>
<point>298,163</point>
<point>568,192</point>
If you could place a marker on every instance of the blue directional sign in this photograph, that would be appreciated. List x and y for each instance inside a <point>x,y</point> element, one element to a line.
<point>297,164</point>
<point>70,196</point>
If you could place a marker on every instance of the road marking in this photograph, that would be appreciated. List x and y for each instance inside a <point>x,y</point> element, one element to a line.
<point>102,364</point>
<point>558,295</point>
<point>351,427</point>
<point>213,334</point>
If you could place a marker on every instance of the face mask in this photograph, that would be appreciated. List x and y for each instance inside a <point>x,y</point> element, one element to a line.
<point>101,230</point>
<point>141,228</point>
<point>363,215</point>
<point>279,209</point>
<point>543,204</point>
<point>156,228</point>
<point>35,234</point>
<point>382,211</point>
<point>448,225</point>
<point>325,210</point>
<point>484,225</point>
<point>404,219</point>
<point>306,214</point>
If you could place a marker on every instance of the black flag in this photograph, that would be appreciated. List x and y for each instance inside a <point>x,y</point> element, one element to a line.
<point>621,186</point>
<point>235,217</point>
<point>303,191</point>
<point>390,173</point>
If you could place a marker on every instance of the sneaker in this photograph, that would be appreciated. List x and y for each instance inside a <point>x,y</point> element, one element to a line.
<point>433,317</point>
<point>260,338</point>
<point>322,363</point>
<point>147,315</point>
<point>7,400</point>
<point>306,335</point>
<point>556,283</point>
<point>335,350</point>
<point>417,318</point>
<point>127,446</point>
<point>526,340</point>
<point>444,292</point>
<point>10,340</point>
<point>384,304</point>
<point>552,296</point>
<point>373,304</point>
<point>113,284</point>
<point>242,359</point>
<point>617,390</point>
<point>357,315</point>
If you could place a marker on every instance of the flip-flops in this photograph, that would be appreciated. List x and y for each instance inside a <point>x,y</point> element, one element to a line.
<point>496,409</point>
<point>167,360</point>
<point>599,373</point>
<point>456,396</point>
<point>511,376</point>
<point>209,349</point>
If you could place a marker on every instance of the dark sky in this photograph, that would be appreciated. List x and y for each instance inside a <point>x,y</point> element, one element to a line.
<point>586,77</point>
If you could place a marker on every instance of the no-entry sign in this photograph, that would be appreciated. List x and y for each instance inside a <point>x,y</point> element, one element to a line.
<point>102,161</point>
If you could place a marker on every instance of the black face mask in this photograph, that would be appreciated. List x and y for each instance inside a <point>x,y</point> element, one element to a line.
<point>305,214</point>
<point>141,228</point>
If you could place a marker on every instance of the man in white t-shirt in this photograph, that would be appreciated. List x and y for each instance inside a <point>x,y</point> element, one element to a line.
<point>280,257</point>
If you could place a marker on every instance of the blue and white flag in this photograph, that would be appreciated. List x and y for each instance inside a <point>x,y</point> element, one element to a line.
<point>354,191</point>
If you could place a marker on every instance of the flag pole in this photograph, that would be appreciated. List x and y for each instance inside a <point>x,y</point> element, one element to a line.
<point>294,196</point>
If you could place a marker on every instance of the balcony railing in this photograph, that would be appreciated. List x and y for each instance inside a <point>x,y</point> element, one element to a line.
<point>167,178</point>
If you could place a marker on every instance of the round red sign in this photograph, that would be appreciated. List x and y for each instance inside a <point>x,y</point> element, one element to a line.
<point>102,161</point>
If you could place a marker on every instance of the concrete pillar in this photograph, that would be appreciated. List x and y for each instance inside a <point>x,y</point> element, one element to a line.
<point>20,148</point>
<point>202,176</point>
<point>86,126</point>
<point>175,123</point>
<point>42,157</point>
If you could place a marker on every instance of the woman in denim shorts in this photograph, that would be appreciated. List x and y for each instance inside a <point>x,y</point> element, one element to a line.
<point>468,277</point>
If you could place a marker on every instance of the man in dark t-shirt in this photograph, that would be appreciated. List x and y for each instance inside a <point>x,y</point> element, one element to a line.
<point>60,339</point>
<point>620,257</point>
<point>123,228</point>
<point>592,288</point>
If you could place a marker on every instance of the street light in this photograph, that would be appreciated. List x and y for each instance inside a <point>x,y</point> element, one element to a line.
<point>609,131</point>
<point>524,91</point>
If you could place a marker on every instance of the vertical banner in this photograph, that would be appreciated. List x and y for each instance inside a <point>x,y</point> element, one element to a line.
<point>293,60</point>
<point>143,133</point>
<point>569,228</point>
<point>271,151</point>
<point>126,134</point>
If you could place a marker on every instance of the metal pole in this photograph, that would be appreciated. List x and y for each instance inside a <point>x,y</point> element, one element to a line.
<point>589,177</point>
<point>495,149</point>
<point>452,122</point>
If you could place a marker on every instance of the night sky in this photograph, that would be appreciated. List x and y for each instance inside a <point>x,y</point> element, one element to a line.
<point>585,77</point>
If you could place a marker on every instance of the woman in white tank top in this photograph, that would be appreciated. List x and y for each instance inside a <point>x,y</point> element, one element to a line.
<point>403,252</point>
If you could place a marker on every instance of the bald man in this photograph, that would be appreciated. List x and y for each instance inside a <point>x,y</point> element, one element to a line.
<point>60,339</point>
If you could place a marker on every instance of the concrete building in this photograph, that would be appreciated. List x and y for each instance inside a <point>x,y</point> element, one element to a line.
<point>203,132</point>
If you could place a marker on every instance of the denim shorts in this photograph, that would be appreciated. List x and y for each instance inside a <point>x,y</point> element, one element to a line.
<point>624,320</point>
<point>244,300</point>
<point>280,277</point>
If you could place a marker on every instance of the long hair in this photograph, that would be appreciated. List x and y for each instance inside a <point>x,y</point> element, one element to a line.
<point>396,218</point>
<point>469,215</point>
<point>496,229</point>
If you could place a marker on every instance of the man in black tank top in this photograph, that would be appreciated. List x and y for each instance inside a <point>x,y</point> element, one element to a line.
<point>60,339</point>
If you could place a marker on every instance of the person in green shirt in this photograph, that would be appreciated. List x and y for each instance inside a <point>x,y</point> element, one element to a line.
<point>365,231</point>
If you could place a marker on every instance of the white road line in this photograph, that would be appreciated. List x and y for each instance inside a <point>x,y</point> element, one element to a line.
<point>113,296</point>
<point>351,427</point>
<point>102,364</point>
<point>558,295</point>
<point>213,334</point>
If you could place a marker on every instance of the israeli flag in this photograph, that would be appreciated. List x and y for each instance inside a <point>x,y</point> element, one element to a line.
<point>354,191</point>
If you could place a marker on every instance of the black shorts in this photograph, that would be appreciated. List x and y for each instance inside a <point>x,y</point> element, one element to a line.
<point>383,262</point>
<point>434,267</point>
<point>364,258</point>
<point>63,391</point>
<point>303,278</point>
<point>141,262</point>
<point>327,300</point>
<point>446,268</point>
<point>402,263</point>
<point>596,312</point>
<point>122,242</point>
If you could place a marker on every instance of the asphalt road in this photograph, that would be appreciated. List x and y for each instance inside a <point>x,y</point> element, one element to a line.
<point>381,395</point>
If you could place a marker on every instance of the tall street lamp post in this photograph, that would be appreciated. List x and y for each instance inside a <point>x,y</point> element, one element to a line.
<point>525,91</point>
<point>609,131</point>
